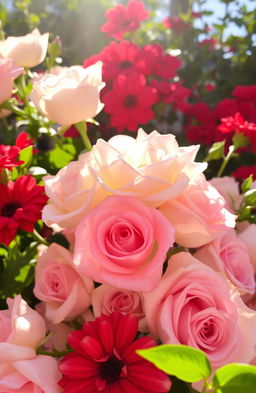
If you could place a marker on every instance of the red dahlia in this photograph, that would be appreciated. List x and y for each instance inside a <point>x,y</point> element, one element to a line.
<point>245,171</point>
<point>105,360</point>
<point>21,203</point>
<point>129,102</point>
<point>122,19</point>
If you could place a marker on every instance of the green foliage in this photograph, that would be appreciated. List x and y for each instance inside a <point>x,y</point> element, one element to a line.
<point>186,363</point>
<point>216,152</point>
<point>235,378</point>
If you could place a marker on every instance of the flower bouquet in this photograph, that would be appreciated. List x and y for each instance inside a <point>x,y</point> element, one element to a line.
<point>127,264</point>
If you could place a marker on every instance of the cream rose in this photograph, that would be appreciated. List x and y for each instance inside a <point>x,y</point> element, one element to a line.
<point>152,168</point>
<point>8,72</point>
<point>71,96</point>
<point>28,50</point>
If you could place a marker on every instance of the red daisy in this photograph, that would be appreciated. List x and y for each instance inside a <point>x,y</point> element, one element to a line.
<point>21,203</point>
<point>105,360</point>
<point>177,24</point>
<point>129,102</point>
<point>23,141</point>
<point>122,19</point>
<point>9,157</point>
<point>245,171</point>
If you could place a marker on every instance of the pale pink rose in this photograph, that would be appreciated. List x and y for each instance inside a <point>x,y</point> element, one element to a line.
<point>107,299</point>
<point>8,72</point>
<point>229,255</point>
<point>71,96</point>
<point>248,236</point>
<point>152,168</point>
<point>22,330</point>
<point>64,292</point>
<point>28,50</point>
<point>123,243</point>
<point>228,187</point>
<point>198,214</point>
<point>22,371</point>
<point>247,326</point>
<point>21,325</point>
<point>192,306</point>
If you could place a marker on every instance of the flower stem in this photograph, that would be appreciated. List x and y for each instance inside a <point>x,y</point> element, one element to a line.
<point>55,354</point>
<point>226,160</point>
<point>39,238</point>
<point>82,129</point>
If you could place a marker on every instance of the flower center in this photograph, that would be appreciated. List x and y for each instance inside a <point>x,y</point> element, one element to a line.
<point>125,64</point>
<point>9,209</point>
<point>130,101</point>
<point>111,369</point>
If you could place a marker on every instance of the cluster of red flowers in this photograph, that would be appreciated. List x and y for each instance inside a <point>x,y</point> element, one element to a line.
<point>136,79</point>
<point>203,125</point>
<point>21,202</point>
<point>123,19</point>
<point>104,359</point>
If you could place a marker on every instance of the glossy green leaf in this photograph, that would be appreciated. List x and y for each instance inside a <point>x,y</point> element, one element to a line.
<point>235,378</point>
<point>186,363</point>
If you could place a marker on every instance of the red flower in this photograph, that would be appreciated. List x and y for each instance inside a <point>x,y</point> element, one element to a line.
<point>129,102</point>
<point>245,171</point>
<point>23,141</point>
<point>9,157</point>
<point>105,360</point>
<point>209,42</point>
<point>122,19</point>
<point>21,203</point>
<point>177,24</point>
<point>247,93</point>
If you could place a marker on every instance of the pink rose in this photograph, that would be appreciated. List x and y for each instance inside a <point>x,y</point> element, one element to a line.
<point>229,255</point>
<point>21,325</point>
<point>198,214</point>
<point>107,299</point>
<point>192,306</point>
<point>123,243</point>
<point>65,293</point>
<point>28,50</point>
<point>228,187</point>
<point>21,370</point>
<point>71,96</point>
<point>248,237</point>
<point>8,72</point>
<point>152,168</point>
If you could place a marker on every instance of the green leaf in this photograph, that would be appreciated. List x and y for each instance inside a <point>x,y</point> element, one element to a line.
<point>239,140</point>
<point>186,363</point>
<point>250,197</point>
<point>26,155</point>
<point>216,151</point>
<point>246,185</point>
<point>235,378</point>
<point>61,156</point>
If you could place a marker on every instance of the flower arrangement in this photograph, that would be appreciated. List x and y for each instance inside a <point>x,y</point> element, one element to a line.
<point>128,264</point>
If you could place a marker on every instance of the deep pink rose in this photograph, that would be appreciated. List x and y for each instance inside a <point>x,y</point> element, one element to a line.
<point>64,292</point>
<point>229,255</point>
<point>198,214</point>
<point>192,306</point>
<point>107,299</point>
<point>21,370</point>
<point>248,236</point>
<point>123,243</point>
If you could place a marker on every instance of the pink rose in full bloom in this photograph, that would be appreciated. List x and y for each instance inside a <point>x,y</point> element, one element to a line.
<point>198,214</point>
<point>228,187</point>
<point>22,371</point>
<point>248,236</point>
<point>123,243</point>
<point>8,72</point>
<point>64,292</point>
<point>152,168</point>
<point>107,299</point>
<point>229,255</point>
<point>192,306</point>
<point>71,96</point>
<point>28,50</point>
